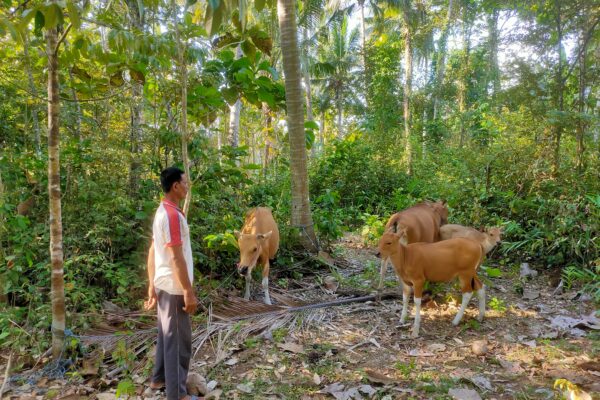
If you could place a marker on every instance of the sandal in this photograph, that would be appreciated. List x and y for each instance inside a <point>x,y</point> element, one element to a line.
<point>156,385</point>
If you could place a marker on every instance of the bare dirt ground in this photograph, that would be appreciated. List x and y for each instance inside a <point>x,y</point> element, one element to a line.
<point>529,339</point>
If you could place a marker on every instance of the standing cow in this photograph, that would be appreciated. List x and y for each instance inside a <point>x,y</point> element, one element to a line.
<point>422,223</point>
<point>258,242</point>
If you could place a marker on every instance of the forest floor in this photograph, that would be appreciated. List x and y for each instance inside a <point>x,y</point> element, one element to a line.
<point>529,339</point>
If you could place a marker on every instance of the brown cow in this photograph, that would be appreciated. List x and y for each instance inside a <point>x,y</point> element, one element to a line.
<point>435,262</point>
<point>488,239</point>
<point>422,223</point>
<point>258,242</point>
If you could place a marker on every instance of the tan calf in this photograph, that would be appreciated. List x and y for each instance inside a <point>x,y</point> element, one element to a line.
<point>258,242</point>
<point>488,239</point>
<point>422,223</point>
<point>436,262</point>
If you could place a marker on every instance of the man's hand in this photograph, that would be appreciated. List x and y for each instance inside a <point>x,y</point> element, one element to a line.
<point>151,302</point>
<point>191,302</point>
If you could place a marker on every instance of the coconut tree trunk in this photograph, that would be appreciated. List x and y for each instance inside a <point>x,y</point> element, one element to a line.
<point>408,59</point>
<point>56,240</point>
<point>301,216</point>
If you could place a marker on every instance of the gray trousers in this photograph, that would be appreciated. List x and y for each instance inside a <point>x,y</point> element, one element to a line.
<point>174,345</point>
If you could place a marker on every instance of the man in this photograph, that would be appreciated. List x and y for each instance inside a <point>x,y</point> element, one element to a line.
<point>170,274</point>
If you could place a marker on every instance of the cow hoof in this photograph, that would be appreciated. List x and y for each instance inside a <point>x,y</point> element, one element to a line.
<point>414,335</point>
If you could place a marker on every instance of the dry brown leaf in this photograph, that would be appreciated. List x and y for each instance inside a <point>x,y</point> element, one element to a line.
<point>291,347</point>
<point>464,394</point>
<point>378,377</point>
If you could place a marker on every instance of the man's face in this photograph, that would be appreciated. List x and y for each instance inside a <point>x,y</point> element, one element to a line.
<point>181,188</point>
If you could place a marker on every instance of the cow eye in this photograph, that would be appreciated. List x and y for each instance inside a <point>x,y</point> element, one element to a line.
<point>254,250</point>
<point>388,242</point>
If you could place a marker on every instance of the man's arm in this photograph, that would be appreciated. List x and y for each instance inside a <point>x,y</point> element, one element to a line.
<point>181,273</point>
<point>151,302</point>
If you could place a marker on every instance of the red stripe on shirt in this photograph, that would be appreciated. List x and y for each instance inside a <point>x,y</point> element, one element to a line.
<point>174,226</point>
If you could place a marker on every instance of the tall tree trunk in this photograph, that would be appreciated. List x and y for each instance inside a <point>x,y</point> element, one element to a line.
<point>307,85</point>
<point>463,84</point>
<point>424,115</point>
<point>363,38</point>
<point>268,130</point>
<point>183,127</point>
<point>408,59</point>
<point>234,116</point>
<point>56,240</point>
<point>135,138</point>
<point>581,125</point>
<point>560,88</point>
<point>77,109</point>
<point>136,19</point>
<point>494,71</point>
<point>338,102</point>
<point>301,214</point>
<point>322,130</point>
<point>34,105</point>
<point>441,61</point>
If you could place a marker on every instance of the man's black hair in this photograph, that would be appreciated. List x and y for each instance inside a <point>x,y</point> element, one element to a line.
<point>168,177</point>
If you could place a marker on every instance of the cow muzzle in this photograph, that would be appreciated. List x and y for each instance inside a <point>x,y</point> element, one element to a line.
<point>243,270</point>
<point>378,254</point>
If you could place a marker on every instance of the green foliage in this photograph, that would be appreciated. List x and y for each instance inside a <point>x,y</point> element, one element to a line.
<point>586,278</point>
<point>497,304</point>
<point>405,368</point>
<point>125,388</point>
<point>372,229</point>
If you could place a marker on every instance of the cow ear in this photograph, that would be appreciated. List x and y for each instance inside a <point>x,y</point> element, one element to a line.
<point>263,236</point>
<point>237,234</point>
<point>395,227</point>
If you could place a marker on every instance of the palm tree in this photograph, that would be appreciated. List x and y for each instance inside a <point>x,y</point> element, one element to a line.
<point>301,215</point>
<point>337,58</point>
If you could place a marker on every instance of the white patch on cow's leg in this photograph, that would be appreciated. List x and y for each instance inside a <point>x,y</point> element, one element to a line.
<point>405,296</point>
<point>248,281</point>
<point>417,324</point>
<point>265,285</point>
<point>466,297</point>
<point>481,297</point>
<point>382,272</point>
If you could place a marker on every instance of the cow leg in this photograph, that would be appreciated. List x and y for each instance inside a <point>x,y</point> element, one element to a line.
<point>466,297</point>
<point>418,287</point>
<point>265,282</point>
<point>481,296</point>
<point>248,282</point>
<point>382,272</point>
<point>405,295</point>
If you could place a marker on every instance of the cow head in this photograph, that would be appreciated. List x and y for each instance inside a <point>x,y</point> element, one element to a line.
<point>388,244</point>
<point>251,246</point>
<point>494,235</point>
<point>441,208</point>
